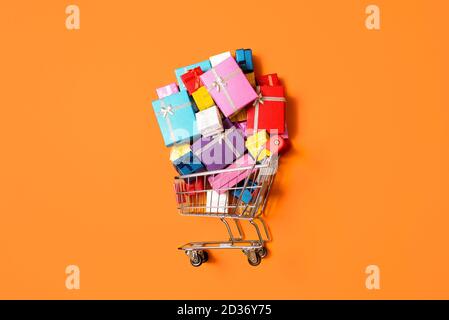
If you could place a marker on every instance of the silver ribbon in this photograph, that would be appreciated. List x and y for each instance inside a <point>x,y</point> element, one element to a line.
<point>220,138</point>
<point>220,84</point>
<point>260,100</point>
<point>167,110</point>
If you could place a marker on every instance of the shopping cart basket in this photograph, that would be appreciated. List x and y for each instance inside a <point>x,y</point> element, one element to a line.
<point>244,201</point>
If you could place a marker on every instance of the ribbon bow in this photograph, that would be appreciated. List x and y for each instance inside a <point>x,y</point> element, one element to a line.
<point>218,84</point>
<point>167,110</point>
<point>259,99</point>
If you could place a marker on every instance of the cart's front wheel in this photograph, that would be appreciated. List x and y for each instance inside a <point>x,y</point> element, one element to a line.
<point>262,252</point>
<point>254,258</point>
<point>195,259</point>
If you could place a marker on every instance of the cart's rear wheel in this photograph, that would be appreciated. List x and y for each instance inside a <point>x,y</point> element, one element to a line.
<point>195,259</point>
<point>205,256</point>
<point>262,252</point>
<point>254,259</point>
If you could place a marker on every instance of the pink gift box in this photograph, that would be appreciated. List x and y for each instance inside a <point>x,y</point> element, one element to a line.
<point>225,180</point>
<point>167,90</point>
<point>228,86</point>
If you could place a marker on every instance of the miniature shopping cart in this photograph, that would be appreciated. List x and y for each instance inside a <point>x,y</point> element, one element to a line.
<point>242,202</point>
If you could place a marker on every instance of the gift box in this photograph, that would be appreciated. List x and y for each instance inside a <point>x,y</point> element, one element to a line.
<point>239,116</point>
<point>188,164</point>
<point>242,127</point>
<point>251,79</point>
<point>227,123</point>
<point>176,118</point>
<point>178,150</point>
<point>216,202</point>
<point>258,143</point>
<point>167,90</point>
<point>285,134</point>
<point>204,65</point>
<point>191,79</point>
<point>268,80</point>
<point>244,58</point>
<point>180,186</point>
<point>268,111</point>
<point>225,180</point>
<point>228,87</point>
<point>194,188</point>
<point>202,98</point>
<point>247,193</point>
<point>219,58</point>
<point>209,122</point>
<point>220,151</point>
<point>276,144</point>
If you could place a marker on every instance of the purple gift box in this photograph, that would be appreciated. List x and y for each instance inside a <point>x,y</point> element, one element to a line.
<point>220,151</point>
<point>242,127</point>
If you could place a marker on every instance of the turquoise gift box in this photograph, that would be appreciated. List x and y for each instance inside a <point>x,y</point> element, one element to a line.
<point>204,65</point>
<point>176,118</point>
<point>244,58</point>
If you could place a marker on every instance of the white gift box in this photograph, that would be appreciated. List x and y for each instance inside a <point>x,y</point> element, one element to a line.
<point>216,202</point>
<point>209,122</point>
<point>218,58</point>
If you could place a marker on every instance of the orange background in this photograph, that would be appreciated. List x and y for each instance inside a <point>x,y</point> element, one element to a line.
<point>86,180</point>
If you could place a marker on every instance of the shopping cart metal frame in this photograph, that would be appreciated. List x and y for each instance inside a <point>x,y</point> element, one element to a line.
<point>258,182</point>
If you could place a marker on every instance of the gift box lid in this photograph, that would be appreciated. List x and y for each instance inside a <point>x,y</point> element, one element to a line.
<point>208,118</point>
<point>219,58</point>
<point>176,118</point>
<point>221,150</point>
<point>268,111</point>
<point>204,65</point>
<point>272,91</point>
<point>257,140</point>
<point>228,87</point>
<point>167,90</point>
<point>244,58</point>
<point>188,164</point>
<point>225,180</point>
<point>177,151</point>
<point>191,79</point>
<point>268,80</point>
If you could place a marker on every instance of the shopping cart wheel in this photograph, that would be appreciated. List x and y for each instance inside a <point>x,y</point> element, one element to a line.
<point>195,259</point>
<point>205,256</point>
<point>262,252</point>
<point>253,258</point>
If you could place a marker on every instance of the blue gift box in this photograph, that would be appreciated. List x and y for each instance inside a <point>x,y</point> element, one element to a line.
<point>244,58</point>
<point>188,163</point>
<point>247,192</point>
<point>204,65</point>
<point>176,118</point>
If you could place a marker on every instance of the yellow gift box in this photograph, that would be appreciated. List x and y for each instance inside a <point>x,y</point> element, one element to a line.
<point>256,142</point>
<point>178,150</point>
<point>202,98</point>
<point>251,78</point>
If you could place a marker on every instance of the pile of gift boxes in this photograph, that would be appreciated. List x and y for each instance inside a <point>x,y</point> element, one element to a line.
<point>219,115</point>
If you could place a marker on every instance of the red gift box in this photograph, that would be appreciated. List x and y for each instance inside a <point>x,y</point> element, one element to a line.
<point>180,188</point>
<point>276,144</point>
<point>193,187</point>
<point>268,80</point>
<point>191,79</point>
<point>268,111</point>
